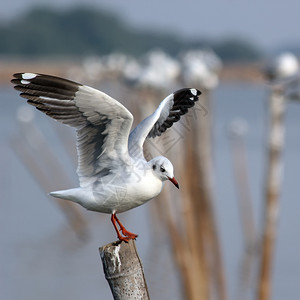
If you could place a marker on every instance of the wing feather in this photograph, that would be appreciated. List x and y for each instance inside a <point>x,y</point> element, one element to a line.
<point>175,107</point>
<point>101,122</point>
<point>168,112</point>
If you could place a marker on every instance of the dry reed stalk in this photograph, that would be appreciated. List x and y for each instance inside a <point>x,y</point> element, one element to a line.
<point>245,206</point>
<point>243,191</point>
<point>272,190</point>
<point>67,139</point>
<point>71,212</point>
<point>192,229</point>
<point>183,235</point>
<point>35,153</point>
<point>203,207</point>
<point>192,277</point>
<point>195,219</point>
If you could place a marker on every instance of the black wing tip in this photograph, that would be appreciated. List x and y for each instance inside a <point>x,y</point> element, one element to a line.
<point>42,85</point>
<point>188,93</point>
<point>25,75</point>
<point>23,78</point>
<point>185,97</point>
<point>195,92</point>
<point>29,77</point>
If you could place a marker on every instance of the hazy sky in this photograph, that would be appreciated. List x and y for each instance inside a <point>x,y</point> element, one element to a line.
<point>269,23</point>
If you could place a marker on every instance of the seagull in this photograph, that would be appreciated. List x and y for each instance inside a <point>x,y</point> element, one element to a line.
<point>114,175</point>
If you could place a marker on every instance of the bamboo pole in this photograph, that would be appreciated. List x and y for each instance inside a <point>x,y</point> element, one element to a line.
<point>272,190</point>
<point>123,270</point>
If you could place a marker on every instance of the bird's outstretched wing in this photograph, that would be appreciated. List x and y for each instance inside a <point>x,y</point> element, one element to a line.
<point>168,112</point>
<point>101,122</point>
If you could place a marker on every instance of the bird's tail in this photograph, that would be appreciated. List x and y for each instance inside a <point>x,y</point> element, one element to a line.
<point>71,194</point>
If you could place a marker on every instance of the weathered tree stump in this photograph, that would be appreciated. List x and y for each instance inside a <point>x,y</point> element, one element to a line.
<point>123,270</point>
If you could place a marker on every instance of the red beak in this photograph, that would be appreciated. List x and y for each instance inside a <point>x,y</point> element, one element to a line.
<point>174,181</point>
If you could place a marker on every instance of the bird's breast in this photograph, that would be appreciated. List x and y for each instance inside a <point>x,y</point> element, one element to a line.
<point>122,195</point>
<point>145,188</point>
<point>139,191</point>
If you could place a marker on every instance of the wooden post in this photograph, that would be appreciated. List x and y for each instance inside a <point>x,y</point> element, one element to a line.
<point>123,270</point>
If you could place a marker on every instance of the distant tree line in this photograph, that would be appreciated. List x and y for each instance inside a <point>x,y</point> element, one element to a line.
<point>85,31</point>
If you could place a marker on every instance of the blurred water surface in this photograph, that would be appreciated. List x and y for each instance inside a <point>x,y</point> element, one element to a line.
<point>41,257</point>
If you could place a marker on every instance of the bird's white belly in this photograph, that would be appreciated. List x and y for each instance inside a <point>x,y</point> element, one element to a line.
<point>110,198</point>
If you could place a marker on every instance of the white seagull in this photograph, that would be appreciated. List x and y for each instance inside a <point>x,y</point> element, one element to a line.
<point>113,173</point>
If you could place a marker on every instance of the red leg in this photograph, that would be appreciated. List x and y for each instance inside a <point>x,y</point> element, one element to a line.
<point>125,231</point>
<point>127,234</point>
<point>120,237</point>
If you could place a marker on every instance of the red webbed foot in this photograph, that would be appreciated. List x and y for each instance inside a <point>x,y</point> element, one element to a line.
<point>127,235</point>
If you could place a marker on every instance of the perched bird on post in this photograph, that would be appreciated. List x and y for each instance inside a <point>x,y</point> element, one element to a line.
<point>113,174</point>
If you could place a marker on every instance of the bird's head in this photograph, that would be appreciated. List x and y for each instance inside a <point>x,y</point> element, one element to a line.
<point>163,169</point>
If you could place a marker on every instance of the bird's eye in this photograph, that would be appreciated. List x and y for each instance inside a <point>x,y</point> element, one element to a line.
<point>162,169</point>
<point>154,167</point>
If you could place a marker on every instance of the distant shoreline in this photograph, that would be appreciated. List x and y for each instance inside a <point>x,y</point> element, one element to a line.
<point>244,72</point>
